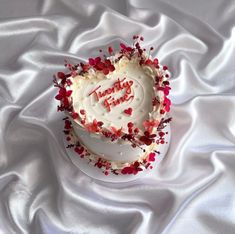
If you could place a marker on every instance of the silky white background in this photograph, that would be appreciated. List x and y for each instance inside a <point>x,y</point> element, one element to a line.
<point>191,192</point>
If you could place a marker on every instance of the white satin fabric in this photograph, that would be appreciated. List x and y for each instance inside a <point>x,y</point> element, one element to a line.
<point>191,192</point>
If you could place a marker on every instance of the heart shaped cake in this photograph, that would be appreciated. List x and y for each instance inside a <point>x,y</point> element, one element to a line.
<point>116,107</point>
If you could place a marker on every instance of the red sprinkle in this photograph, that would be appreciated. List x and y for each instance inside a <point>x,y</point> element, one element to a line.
<point>136,130</point>
<point>61,75</point>
<point>162,112</point>
<point>74,115</point>
<point>82,112</point>
<point>128,111</point>
<point>91,61</point>
<point>110,50</point>
<point>106,173</point>
<point>130,125</point>
<point>106,71</point>
<point>152,156</point>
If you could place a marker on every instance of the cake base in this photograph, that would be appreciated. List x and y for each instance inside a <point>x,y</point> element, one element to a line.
<point>96,173</point>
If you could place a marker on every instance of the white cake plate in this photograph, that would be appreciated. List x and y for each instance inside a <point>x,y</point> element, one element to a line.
<point>96,173</point>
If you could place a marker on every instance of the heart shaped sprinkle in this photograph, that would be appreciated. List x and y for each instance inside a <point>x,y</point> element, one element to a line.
<point>152,157</point>
<point>79,150</point>
<point>128,111</point>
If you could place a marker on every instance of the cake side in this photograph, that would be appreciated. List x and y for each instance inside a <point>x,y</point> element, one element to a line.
<point>102,146</point>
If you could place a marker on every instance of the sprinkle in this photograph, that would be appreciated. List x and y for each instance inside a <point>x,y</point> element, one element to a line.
<point>82,112</point>
<point>128,111</point>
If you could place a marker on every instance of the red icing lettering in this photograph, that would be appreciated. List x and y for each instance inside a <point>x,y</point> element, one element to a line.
<point>94,91</point>
<point>119,85</point>
<point>112,102</point>
<point>128,85</point>
<point>107,104</point>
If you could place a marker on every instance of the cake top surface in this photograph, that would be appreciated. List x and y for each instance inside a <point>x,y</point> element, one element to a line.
<point>120,96</point>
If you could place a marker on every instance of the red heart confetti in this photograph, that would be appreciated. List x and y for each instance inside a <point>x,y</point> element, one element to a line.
<point>79,150</point>
<point>128,111</point>
<point>152,157</point>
